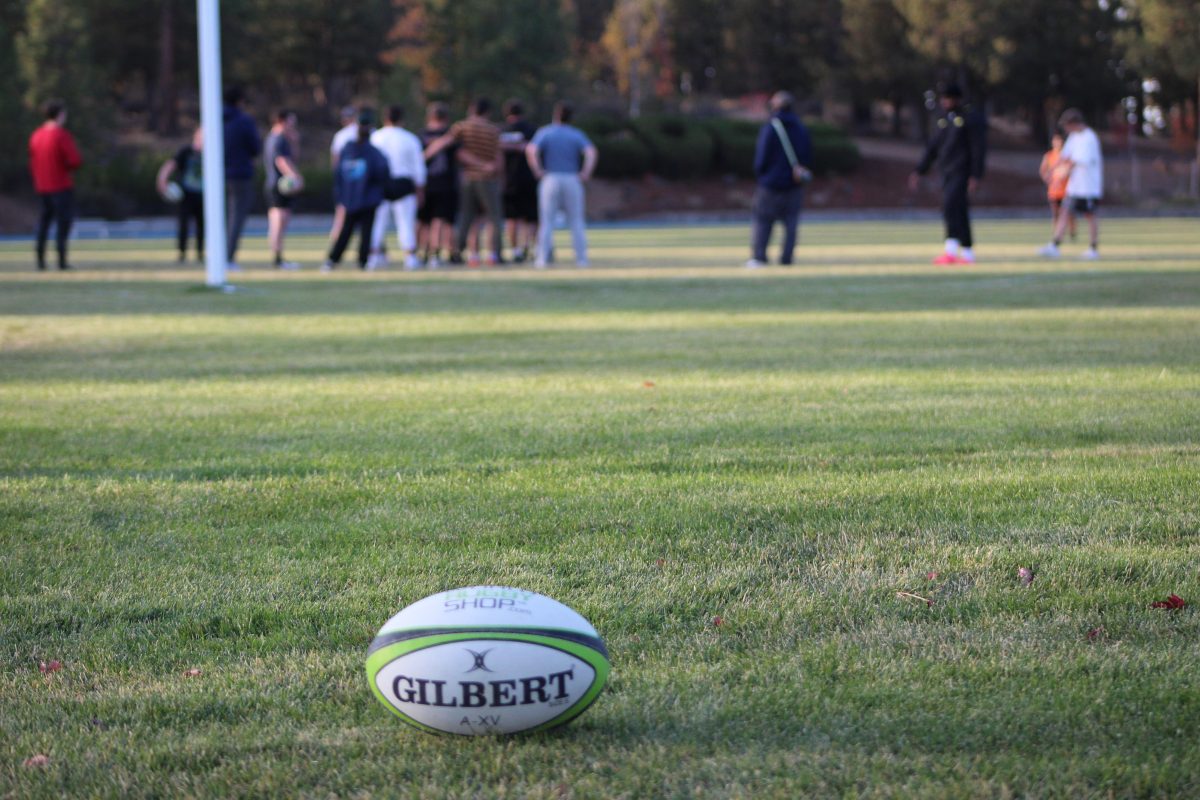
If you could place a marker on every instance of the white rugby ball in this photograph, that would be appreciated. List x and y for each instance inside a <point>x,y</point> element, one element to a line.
<point>487,660</point>
<point>173,193</point>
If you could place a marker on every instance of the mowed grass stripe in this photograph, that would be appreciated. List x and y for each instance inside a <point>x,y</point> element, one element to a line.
<point>250,484</point>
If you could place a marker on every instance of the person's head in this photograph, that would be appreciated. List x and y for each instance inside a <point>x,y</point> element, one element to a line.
<point>513,110</point>
<point>349,115</point>
<point>437,114</point>
<point>1056,141</point>
<point>481,107</point>
<point>366,121</point>
<point>781,102</point>
<point>55,111</point>
<point>1072,120</point>
<point>950,96</point>
<point>234,96</point>
<point>395,115</point>
<point>285,120</point>
<point>563,111</point>
<point>198,139</point>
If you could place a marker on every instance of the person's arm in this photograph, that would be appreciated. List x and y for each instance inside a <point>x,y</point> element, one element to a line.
<point>927,159</point>
<point>164,175</point>
<point>534,157</point>
<point>70,152</point>
<point>590,156</point>
<point>760,149</point>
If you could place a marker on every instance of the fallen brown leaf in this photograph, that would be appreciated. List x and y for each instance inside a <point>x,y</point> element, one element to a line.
<point>660,563</point>
<point>927,601</point>
<point>1026,575</point>
<point>717,622</point>
<point>931,576</point>
<point>1096,634</point>
<point>192,673</point>
<point>40,760</point>
<point>648,384</point>
<point>47,667</point>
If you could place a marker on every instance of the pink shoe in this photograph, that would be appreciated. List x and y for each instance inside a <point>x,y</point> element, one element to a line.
<point>945,260</point>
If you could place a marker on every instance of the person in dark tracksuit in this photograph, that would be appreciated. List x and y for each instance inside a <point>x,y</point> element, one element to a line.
<point>780,194</point>
<point>958,147</point>
<point>358,183</point>
<point>242,146</point>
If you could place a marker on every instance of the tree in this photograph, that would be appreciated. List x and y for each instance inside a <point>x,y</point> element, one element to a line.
<point>635,31</point>
<point>479,47</point>
<point>14,124</point>
<point>1171,31</point>
<point>56,60</point>
<point>882,63</point>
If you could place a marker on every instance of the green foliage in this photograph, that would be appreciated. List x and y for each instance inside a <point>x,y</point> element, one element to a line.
<point>735,140</point>
<point>680,147</point>
<point>56,59</point>
<point>622,155</point>
<point>480,47</point>
<point>15,123</point>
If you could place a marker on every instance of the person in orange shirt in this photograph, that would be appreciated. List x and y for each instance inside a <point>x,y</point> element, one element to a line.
<point>53,157</point>
<point>1055,176</point>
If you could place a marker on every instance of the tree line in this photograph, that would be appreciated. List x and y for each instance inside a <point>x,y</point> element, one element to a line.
<point>115,61</point>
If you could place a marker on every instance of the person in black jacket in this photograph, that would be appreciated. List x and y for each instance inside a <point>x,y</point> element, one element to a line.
<point>358,183</point>
<point>242,147</point>
<point>959,147</point>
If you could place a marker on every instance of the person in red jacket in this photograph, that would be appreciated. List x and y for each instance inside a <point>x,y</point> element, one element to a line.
<point>53,157</point>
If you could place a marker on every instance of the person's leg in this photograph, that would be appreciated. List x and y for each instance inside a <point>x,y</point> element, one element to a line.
<point>197,203</point>
<point>285,218</point>
<point>366,224</point>
<point>274,232</point>
<point>379,232</point>
<point>241,196</point>
<point>43,230</point>
<point>466,216</point>
<point>342,241</point>
<point>65,212</point>
<point>793,202</point>
<point>1094,232</point>
<point>764,220</point>
<point>956,219</point>
<point>574,205</point>
<point>182,220</point>
<point>339,219</point>
<point>547,194</point>
<point>405,211</point>
<point>494,209</point>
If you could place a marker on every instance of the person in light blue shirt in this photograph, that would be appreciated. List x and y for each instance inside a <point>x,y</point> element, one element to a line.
<point>563,159</point>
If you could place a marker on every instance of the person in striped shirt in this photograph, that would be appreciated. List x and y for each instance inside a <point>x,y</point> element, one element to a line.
<point>482,161</point>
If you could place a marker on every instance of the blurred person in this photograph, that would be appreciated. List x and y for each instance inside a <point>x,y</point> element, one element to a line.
<point>242,147</point>
<point>345,134</point>
<point>359,179</point>
<point>1084,163</point>
<point>406,187</point>
<point>1055,175</point>
<point>482,163</point>
<point>439,211</point>
<point>279,162</point>
<point>563,159</point>
<point>782,165</point>
<point>959,148</point>
<point>53,160</point>
<point>187,167</point>
<point>520,187</point>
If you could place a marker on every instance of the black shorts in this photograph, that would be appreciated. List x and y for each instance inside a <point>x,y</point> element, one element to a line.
<point>1084,205</point>
<point>522,204</point>
<point>439,204</point>
<point>277,200</point>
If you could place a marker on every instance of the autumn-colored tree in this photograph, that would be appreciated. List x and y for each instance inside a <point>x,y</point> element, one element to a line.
<point>635,32</point>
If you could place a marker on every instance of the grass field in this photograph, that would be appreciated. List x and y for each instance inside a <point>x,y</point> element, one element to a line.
<point>250,484</point>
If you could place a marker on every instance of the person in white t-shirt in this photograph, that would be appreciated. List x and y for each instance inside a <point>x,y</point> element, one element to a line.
<point>346,134</point>
<point>1081,156</point>
<point>406,162</point>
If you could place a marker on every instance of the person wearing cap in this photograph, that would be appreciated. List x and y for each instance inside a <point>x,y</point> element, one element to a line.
<point>782,160</point>
<point>346,134</point>
<point>358,182</point>
<point>1084,163</point>
<point>958,147</point>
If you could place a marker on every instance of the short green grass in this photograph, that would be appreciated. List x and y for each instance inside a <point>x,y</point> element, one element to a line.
<point>249,484</point>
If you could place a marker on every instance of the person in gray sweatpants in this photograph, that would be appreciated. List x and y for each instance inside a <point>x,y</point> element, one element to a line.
<point>562,159</point>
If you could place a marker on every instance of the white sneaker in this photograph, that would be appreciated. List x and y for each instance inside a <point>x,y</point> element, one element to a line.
<point>411,262</point>
<point>540,264</point>
<point>232,267</point>
<point>434,262</point>
<point>1050,251</point>
<point>328,266</point>
<point>754,263</point>
<point>1090,255</point>
<point>289,266</point>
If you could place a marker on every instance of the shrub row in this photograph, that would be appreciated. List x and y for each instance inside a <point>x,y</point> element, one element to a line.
<point>675,146</point>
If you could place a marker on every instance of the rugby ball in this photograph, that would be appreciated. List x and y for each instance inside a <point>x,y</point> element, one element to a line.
<point>487,660</point>
<point>173,193</point>
<point>289,185</point>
